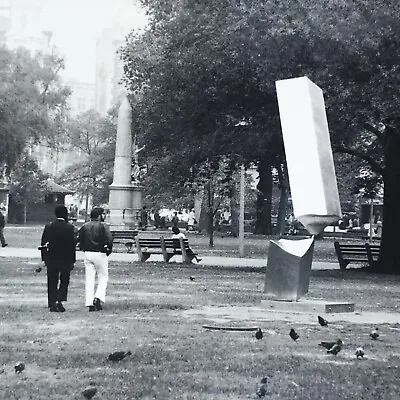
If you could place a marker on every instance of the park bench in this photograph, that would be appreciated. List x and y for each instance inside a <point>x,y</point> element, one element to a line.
<point>167,247</point>
<point>126,237</point>
<point>373,251</point>
<point>352,252</point>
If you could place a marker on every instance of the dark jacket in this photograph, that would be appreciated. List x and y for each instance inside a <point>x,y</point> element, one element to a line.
<point>95,236</point>
<point>60,237</point>
<point>2,220</point>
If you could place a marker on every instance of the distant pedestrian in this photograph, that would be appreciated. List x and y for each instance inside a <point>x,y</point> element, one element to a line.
<point>175,219</point>
<point>143,218</point>
<point>59,239</point>
<point>157,220</point>
<point>96,242</point>
<point>177,234</point>
<point>2,225</point>
<point>191,220</point>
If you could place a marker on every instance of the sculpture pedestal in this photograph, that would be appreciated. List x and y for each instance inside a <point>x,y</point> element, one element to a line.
<point>125,204</point>
<point>288,269</point>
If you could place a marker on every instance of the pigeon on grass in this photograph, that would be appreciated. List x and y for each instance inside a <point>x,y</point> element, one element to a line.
<point>329,345</point>
<point>262,388</point>
<point>19,367</point>
<point>335,349</point>
<point>119,355</point>
<point>359,352</point>
<point>89,392</point>
<point>322,321</point>
<point>374,334</point>
<point>293,334</point>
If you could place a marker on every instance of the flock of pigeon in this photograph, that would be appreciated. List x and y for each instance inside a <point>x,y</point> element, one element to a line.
<point>91,390</point>
<point>333,347</point>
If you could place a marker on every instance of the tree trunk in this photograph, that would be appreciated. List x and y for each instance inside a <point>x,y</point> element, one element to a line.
<point>234,204</point>
<point>283,199</point>
<point>25,212</point>
<point>210,211</point>
<point>264,198</point>
<point>388,262</point>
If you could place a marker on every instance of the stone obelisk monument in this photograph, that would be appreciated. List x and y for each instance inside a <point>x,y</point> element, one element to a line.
<point>125,201</point>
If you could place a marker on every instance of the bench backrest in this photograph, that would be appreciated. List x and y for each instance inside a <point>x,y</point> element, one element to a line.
<point>124,234</point>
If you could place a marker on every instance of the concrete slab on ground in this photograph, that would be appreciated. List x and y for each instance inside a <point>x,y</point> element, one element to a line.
<point>256,314</point>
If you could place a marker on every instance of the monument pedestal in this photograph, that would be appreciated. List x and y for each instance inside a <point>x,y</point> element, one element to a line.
<point>125,204</point>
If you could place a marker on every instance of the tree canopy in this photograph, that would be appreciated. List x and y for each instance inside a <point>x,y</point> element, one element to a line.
<point>32,101</point>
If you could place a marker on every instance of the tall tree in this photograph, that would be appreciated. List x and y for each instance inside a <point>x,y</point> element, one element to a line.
<point>32,98</point>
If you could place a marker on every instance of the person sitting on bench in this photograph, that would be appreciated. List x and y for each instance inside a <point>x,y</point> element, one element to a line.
<point>177,234</point>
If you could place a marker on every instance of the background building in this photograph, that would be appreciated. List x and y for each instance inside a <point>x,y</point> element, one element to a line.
<point>109,68</point>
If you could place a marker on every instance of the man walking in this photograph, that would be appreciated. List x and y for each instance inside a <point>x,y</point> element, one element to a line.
<point>96,242</point>
<point>2,225</point>
<point>59,238</point>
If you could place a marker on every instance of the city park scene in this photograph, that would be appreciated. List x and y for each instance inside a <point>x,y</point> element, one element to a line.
<point>267,132</point>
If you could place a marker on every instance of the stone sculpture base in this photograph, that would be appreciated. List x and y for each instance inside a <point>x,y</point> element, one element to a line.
<point>318,306</point>
<point>125,205</point>
<point>288,269</point>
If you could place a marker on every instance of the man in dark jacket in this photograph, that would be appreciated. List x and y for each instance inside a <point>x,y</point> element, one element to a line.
<point>59,238</point>
<point>96,242</point>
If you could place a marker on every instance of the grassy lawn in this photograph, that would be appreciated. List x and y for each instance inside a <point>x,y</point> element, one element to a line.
<point>158,313</point>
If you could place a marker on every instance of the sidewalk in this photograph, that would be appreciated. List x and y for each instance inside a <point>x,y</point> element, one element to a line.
<point>20,252</point>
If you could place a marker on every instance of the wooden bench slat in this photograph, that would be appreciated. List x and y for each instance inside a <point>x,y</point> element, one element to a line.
<point>347,253</point>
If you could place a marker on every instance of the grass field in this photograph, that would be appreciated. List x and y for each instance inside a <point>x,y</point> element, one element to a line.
<point>158,313</point>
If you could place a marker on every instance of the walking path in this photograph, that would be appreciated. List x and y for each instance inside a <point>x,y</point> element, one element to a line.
<point>20,252</point>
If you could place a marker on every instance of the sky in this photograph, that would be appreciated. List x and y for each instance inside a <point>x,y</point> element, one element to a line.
<point>76,24</point>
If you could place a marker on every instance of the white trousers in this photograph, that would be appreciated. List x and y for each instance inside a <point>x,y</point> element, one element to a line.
<point>95,263</point>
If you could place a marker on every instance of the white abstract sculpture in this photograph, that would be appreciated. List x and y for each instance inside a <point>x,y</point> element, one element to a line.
<point>308,151</point>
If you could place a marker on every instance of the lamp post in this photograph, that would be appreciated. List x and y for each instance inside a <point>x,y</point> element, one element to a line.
<point>241,212</point>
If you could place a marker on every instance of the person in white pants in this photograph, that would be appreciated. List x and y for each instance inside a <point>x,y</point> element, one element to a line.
<point>95,263</point>
<point>96,242</point>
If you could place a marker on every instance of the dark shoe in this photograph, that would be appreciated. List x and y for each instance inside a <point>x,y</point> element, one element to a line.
<point>4,245</point>
<point>198,259</point>
<point>91,308</point>
<point>60,307</point>
<point>54,308</point>
<point>97,304</point>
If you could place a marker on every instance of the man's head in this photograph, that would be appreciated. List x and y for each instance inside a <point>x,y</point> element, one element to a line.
<point>97,214</point>
<point>61,212</point>
<point>175,230</point>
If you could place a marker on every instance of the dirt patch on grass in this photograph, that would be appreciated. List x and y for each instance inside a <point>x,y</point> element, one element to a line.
<point>236,314</point>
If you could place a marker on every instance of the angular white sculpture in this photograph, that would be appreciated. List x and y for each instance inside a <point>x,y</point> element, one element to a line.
<point>308,151</point>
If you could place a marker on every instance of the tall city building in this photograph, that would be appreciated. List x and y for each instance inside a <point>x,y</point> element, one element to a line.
<point>22,25</point>
<point>82,98</point>
<point>109,68</point>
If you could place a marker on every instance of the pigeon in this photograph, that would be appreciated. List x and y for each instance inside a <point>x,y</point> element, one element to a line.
<point>191,278</point>
<point>359,352</point>
<point>374,334</point>
<point>89,392</point>
<point>262,389</point>
<point>259,334</point>
<point>119,355</point>
<point>19,367</point>
<point>334,349</point>
<point>329,345</point>
<point>39,269</point>
<point>293,334</point>
<point>322,321</point>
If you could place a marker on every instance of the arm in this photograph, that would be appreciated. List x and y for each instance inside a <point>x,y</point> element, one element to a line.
<point>45,235</point>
